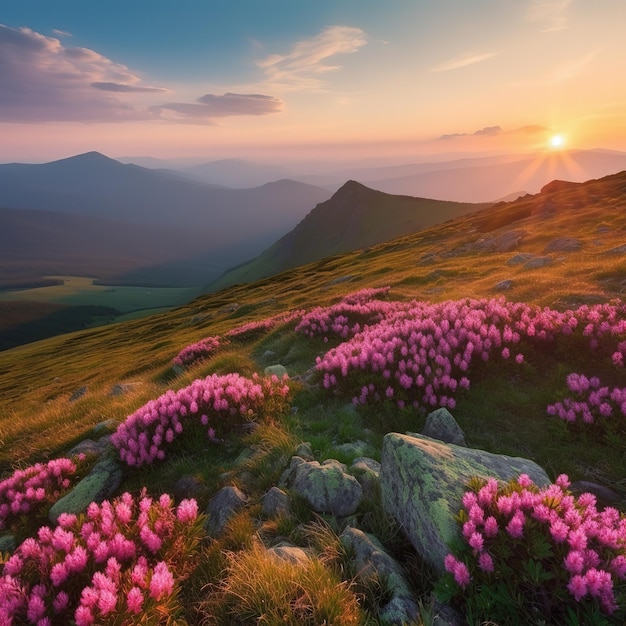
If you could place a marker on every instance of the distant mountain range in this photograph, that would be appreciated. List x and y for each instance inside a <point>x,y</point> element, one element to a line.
<point>213,228</point>
<point>355,217</point>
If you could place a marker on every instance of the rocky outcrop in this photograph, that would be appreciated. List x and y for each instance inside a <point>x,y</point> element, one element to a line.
<point>326,487</point>
<point>222,506</point>
<point>423,481</point>
<point>101,483</point>
<point>441,425</point>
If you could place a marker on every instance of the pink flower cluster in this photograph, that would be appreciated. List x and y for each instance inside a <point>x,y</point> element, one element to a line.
<point>216,402</point>
<point>197,351</point>
<point>586,552</point>
<point>591,400</point>
<point>257,327</point>
<point>420,354</point>
<point>28,489</point>
<point>363,296</point>
<point>119,558</point>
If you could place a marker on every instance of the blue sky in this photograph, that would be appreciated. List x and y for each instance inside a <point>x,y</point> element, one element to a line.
<point>291,79</point>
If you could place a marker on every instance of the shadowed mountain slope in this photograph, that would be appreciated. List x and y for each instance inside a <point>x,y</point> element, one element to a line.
<point>355,217</point>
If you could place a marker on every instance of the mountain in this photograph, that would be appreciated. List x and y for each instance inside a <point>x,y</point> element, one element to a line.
<point>355,217</point>
<point>236,173</point>
<point>466,181</point>
<point>228,225</point>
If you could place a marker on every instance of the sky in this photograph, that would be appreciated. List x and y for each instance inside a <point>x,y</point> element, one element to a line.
<point>298,80</point>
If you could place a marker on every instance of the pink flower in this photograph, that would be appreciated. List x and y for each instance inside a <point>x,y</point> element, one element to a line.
<point>83,616</point>
<point>461,575</point>
<point>574,562</point>
<point>162,581</point>
<point>476,541</point>
<point>559,530</point>
<point>187,511</point>
<point>491,527</point>
<point>515,527</point>
<point>134,600</point>
<point>485,562</point>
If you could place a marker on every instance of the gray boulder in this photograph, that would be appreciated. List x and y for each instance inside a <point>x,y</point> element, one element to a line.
<point>520,259</point>
<point>290,554</point>
<point>222,506</point>
<point>504,285</point>
<point>538,262</point>
<point>373,562</point>
<point>276,502</point>
<point>326,487</point>
<point>422,485</point>
<point>564,244</point>
<point>441,425</point>
<point>101,483</point>
<point>276,370</point>
<point>367,472</point>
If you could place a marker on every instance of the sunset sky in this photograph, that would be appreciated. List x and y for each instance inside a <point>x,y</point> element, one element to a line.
<point>302,80</point>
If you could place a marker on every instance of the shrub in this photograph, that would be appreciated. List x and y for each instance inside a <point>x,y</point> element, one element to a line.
<point>216,403</point>
<point>531,554</point>
<point>197,351</point>
<point>120,563</point>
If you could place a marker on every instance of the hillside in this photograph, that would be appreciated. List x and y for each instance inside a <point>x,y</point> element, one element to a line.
<point>355,217</point>
<point>502,315</point>
<point>221,226</point>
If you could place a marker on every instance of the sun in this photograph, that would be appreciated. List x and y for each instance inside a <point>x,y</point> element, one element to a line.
<point>557,142</point>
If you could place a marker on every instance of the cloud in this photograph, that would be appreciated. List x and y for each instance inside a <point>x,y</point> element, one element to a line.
<point>121,88</point>
<point>552,13</point>
<point>462,61</point>
<point>487,131</point>
<point>303,67</point>
<point>43,81</point>
<point>212,106</point>
<point>61,33</point>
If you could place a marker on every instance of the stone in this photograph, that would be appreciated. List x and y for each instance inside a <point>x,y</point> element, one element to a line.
<point>122,388</point>
<point>605,495</point>
<point>520,259</point>
<point>101,483</point>
<point>423,482</point>
<point>564,244</point>
<point>187,487</point>
<point>367,472</point>
<point>108,426</point>
<point>8,543</point>
<point>290,554</point>
<point>373,562</point>
<point>341,279</point>
<point>305,451</point>
<point>510,240</point>
<point>440,424</point>
<point>619,250</point>
<point>504,285</point>
<point>353,448</point>
<point>537,262</point>
<point>89,447</point>
<point>79,393</point>
<point>229,308</point>
<point>276,502</point>
<point>276,370</point>
<point>222,506</point>
<point>326,487</point>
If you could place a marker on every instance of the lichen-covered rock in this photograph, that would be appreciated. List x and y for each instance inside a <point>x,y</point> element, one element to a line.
<point>326,487</point>
<point>441,425</point>
<point>222,506</point>
<point>371,562</point>
<point>367,472</point>
<point>276,370</point>
<point>290,554</point>
<point>101,483</point>
<point>423,481</point>
<point>305,451</point>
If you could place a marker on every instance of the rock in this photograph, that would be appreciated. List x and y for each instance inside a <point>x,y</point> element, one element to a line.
<point>564,244</point>
<point>89,446</point>
<point>276,502</point>
<point>101,483</point>
<point>520,259</point>
<point>510,240</point>
<point>222,506</point>
<point>267,355</point>
<point>305,451</point>
<point>617,251</point>
<point>504,285</point>
<point>122,388</point>
<point>446,615</point>
<point>373,562</point>
<point>326,487</point>
<point>341,279</point>
<point>604,495</point>
<point>441,425</point>
<point>229,308</point>
<point>179,370</point>
<point>537,262</point>
<point>367,472</point>
<point>276,370</point>
<point>422,485</point>
<point>8,543</point>
<point>108,426</point>
<point>354,448</point>
<point>187,487</point>
<point>79,393</point>
<point>291,554</point>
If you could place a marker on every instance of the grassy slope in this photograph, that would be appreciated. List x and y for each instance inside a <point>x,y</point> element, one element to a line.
<point>504,412</point>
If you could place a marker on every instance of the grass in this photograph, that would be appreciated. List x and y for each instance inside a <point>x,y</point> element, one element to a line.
<point>238,580</point>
